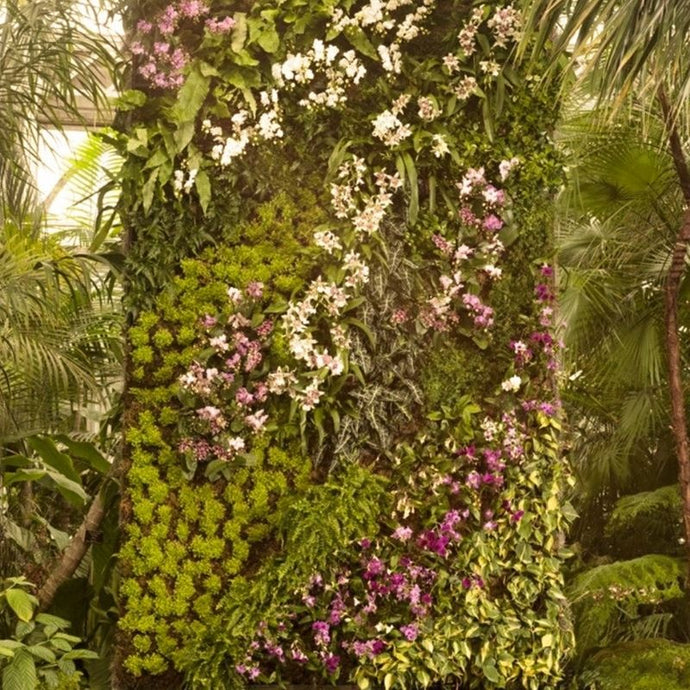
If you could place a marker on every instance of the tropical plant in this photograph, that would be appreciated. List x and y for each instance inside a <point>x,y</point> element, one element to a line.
<point>636,51</point>
<point>612,302</point>
<point>60,337</point>
<point>424,151</point>
<point>60,348</point>
<point>52,64</point>
<point>39,652</point>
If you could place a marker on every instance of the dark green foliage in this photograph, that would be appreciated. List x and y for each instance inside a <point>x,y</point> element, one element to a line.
<point>640,665</point>
<point>317,530</point>
<point>646,522</point>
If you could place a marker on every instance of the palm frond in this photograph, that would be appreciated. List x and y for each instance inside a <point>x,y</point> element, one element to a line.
<point>620,48</point>
<point>51,67</point>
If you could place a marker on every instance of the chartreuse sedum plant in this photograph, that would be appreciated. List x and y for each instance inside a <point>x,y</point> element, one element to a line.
<point>342,456</point>
<point>37,651</point>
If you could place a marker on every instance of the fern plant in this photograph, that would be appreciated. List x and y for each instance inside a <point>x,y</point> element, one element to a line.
<point>610,600</point>
<point>648,521</point>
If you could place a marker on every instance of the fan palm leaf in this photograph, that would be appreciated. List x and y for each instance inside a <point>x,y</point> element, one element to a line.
<point>614,247</point>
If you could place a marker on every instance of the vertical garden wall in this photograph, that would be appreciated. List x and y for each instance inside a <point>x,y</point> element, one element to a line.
<point>341,426</point>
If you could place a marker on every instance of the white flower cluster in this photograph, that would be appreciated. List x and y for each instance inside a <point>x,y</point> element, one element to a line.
<point>506,25</point>
<point>490,67</point>
<point>266,127</point>
<point>505,167</point>
<point>389,129</point>
<point>468,33</point>
<point>512,384</point>
<point>324,301</point>
<point>326,240</point>
<point>182,185</point>
<point>379,17</point>
<point>428,109</point>
<point>376,14</point>
<point>439,146</point>
<point>391,58</point>
<point>323,62</point>
<point>465,88</point>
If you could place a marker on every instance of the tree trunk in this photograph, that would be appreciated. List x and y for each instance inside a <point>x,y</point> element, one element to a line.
<point>675,376</point>
<point>674,279</point>
<point>73,554</point>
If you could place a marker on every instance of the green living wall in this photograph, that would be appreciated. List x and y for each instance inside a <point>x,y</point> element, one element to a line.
<point>341,421</point>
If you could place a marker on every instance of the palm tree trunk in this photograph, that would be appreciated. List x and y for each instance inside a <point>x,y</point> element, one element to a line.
<point>675,378</point>
<point>674,279</point>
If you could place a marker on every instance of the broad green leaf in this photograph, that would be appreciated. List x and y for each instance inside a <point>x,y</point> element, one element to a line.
<point>423,677</point>
<point>23,628</point>
<point>66,666</point>
<point>21,536</point>
<point>48,619</point>
<point>86,451</point>
<point>490,673</point>
<point>22,603</point>
<point>159,157</point>
<point>148,189</point>
<point>59,643</point>
<point>191,97</point>
<point>269,40</point>
<point>358,39</point>
<point>49,453</point>
<point>208,70</point>
<point>20,673</point>
<point>41,652</point>
<point>183,135</point>
<point>130,99</point>
<point>262,31</point>
<point>12,645</point>
<point>81,654</point>
<point>239,32</point>
<point>71,491</point>
<point>17,461</point>
<point>60,538</point>
<point>137,143</point>
<point>203,188</point>
<point>28,475</point>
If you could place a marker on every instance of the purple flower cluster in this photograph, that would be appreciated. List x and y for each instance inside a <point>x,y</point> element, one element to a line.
<point>228,390</point>
<point>345,616</point>
<point>162,59</point>
<point>479,216</point>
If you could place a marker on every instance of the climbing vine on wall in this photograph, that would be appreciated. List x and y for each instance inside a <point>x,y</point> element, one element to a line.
<point>342,426</point>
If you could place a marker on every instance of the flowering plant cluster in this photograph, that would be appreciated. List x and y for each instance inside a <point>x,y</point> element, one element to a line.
<point>383,595</point>
<point>395,111</point>
<point>480,219</point>
<point>228,385</point>
<point>161,55</point>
